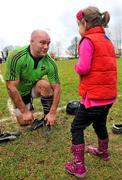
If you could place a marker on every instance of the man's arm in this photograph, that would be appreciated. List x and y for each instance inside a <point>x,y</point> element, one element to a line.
<point>25,117</point>
<point>15,96</point>
<point>54,81</point>
<point>56,97</point>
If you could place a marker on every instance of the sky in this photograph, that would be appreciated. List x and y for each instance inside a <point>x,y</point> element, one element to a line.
<point>19,18</point>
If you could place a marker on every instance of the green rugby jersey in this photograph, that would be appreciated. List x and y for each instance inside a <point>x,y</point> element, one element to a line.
<point>20,66</point>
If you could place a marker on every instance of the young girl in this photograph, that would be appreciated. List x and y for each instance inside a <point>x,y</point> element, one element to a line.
<point>97,86</point>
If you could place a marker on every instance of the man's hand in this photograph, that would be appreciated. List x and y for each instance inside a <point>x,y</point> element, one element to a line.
<point>50,118</point>
<point>25,118</point>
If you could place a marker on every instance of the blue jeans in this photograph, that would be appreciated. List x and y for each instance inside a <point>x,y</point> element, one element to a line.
<point>97,116</point>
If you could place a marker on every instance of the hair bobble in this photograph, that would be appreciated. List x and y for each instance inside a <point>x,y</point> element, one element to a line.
<point>80,15</point>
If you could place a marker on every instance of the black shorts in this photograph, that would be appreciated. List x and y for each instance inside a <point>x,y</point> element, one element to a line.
<point>27,98</point>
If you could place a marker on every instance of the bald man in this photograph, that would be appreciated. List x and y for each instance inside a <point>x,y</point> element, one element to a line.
<point>25,69</point>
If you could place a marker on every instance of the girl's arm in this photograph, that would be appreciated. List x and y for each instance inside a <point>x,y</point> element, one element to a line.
<point>85,57</point>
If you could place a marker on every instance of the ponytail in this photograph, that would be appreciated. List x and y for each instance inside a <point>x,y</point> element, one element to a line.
<point>105,18</point>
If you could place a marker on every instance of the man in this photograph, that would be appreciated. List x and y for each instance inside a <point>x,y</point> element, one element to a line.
<point>25,69</point>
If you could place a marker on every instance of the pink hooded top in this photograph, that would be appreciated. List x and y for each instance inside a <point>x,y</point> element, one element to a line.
<point>83,66</point>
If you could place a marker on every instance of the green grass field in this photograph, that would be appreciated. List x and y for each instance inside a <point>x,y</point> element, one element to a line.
<point>34,157</point>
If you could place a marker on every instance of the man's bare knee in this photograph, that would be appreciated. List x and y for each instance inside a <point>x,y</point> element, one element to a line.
<point>43,88</point>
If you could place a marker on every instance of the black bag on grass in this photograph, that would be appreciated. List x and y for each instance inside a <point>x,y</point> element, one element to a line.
<point>72,107</point>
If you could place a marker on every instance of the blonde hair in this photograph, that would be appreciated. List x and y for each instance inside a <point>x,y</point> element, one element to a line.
<point>93,17</point>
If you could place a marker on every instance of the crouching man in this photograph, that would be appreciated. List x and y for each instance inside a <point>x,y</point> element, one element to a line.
<point>25,69</point>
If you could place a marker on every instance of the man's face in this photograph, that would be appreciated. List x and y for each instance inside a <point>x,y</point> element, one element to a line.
<point>40,45</point>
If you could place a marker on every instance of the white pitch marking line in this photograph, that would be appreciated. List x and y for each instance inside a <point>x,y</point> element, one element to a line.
<point>11,110</point>
<point>1,78</point>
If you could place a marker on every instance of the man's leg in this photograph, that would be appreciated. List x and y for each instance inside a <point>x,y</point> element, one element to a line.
<point>43,90</point>
<point>46,103</point>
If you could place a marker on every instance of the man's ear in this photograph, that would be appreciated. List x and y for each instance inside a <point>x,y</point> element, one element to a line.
<point>31,41</point>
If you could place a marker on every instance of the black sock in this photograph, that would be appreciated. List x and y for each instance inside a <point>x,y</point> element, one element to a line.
<point>46,103</point>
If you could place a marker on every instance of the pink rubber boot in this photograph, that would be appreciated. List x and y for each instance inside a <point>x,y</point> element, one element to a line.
<point>77,167</point>
<point>101,151</point>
